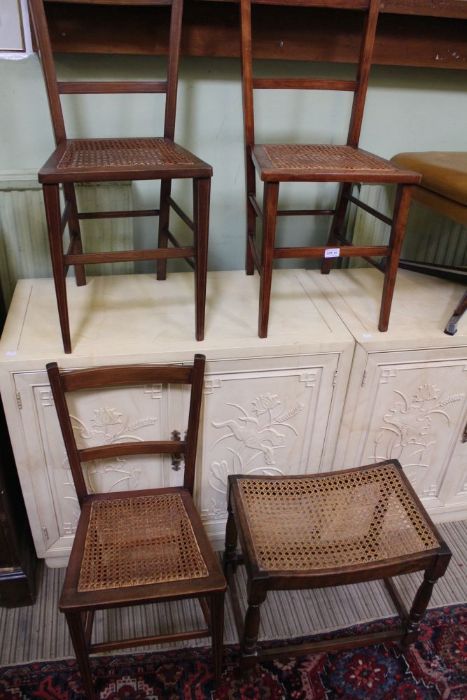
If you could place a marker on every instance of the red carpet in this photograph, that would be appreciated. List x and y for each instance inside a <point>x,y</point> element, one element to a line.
<point>434,667</point>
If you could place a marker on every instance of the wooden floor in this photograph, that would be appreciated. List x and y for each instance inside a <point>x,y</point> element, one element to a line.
<point>39,632</point>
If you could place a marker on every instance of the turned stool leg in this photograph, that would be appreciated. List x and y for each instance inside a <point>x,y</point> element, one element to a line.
<point>249,642</point>
<point>423,595</point>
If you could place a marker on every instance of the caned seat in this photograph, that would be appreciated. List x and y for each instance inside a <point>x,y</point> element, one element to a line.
<point>300,162</point>
<point>139,540</point>
<point>136,547</point>
<point>329,529</point>
<point>444,189</point>
<point>345,164</point>
<point>81,160</point>
<point>113,159</point>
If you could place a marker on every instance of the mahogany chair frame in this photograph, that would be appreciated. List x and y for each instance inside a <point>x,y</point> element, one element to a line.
<point>79,606</point>
<point>260,580</point>
<point>257,161</point>
<point>53,174</point>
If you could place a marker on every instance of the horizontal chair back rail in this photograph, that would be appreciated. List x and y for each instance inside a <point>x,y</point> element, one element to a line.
<point>63,382</point>
<point>122,449</point>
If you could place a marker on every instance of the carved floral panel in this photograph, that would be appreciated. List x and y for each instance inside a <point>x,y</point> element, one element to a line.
<point>108,417</point>
<point>415,417</point>
<point>260,423</point>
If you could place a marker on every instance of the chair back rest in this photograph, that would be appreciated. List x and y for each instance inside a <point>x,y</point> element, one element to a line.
<point>63,382</point>
<point>55,88</point>
<point>358,86</point>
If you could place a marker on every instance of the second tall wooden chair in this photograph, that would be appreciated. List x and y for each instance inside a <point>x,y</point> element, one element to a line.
<point>344,164</point>
<point>113,159</point>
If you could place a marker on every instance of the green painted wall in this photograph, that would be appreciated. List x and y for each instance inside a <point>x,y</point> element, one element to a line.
<point>407,109</point>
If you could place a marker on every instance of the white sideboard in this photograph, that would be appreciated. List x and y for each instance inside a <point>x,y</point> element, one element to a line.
<point>324,391</point>
<point>270,405</point>
<point>407,394</point>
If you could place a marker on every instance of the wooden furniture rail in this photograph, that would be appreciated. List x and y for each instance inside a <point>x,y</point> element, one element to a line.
<point>425,33</point>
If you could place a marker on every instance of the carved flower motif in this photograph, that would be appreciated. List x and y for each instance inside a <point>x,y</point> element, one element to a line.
<point>426,392</point>
<point>106,416</point>
<point>265,402</point>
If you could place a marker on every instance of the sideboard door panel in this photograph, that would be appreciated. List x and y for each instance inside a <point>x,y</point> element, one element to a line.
<point>266,416</point>
<point>109,416</point>
<point>409,410</point>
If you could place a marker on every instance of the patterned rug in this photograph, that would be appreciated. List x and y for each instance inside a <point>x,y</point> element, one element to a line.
<point>434,667</point>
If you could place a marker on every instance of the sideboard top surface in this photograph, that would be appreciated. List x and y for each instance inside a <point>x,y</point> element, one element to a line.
<point>421,308</point>
<point>139,318</point>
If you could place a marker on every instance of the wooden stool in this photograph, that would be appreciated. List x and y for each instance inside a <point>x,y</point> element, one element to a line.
<point>444,189</point>
<point>113,159</point>
<point>330,529</point>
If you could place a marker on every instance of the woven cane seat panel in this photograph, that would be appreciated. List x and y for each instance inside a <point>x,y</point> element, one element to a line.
<point>317,158</point>
<point>339,520</point>
<point>139,540</point>
<point>115,153</point>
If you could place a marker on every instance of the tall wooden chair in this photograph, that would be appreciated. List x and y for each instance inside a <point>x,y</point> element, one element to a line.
<point>329,529</point>
<point>344,164</point>
<point>113,159</point>
<point>136,547</point>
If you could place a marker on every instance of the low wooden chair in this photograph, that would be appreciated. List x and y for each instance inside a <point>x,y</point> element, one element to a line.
<point>443,189</point>
<point>329,529</point>
<point>113,159</point>
<point>136,547</point>
<point>344,164</point>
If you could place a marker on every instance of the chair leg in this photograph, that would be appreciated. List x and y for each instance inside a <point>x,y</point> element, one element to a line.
<point>217,632</point>
<point>337,224</point>
<point>201,197</point>
<point>423,595</point>
<point>249,642</point>
<point>164,215</point>
<point>401,212</point>
<point>78,637</point>
<point>75,231</point>
<point>270,199</point>
<point>250,214</point>
<point>52,211</point>
<point>451,326</point>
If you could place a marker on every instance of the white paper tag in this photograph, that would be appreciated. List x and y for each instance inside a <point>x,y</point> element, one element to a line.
<point>332,252</point>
